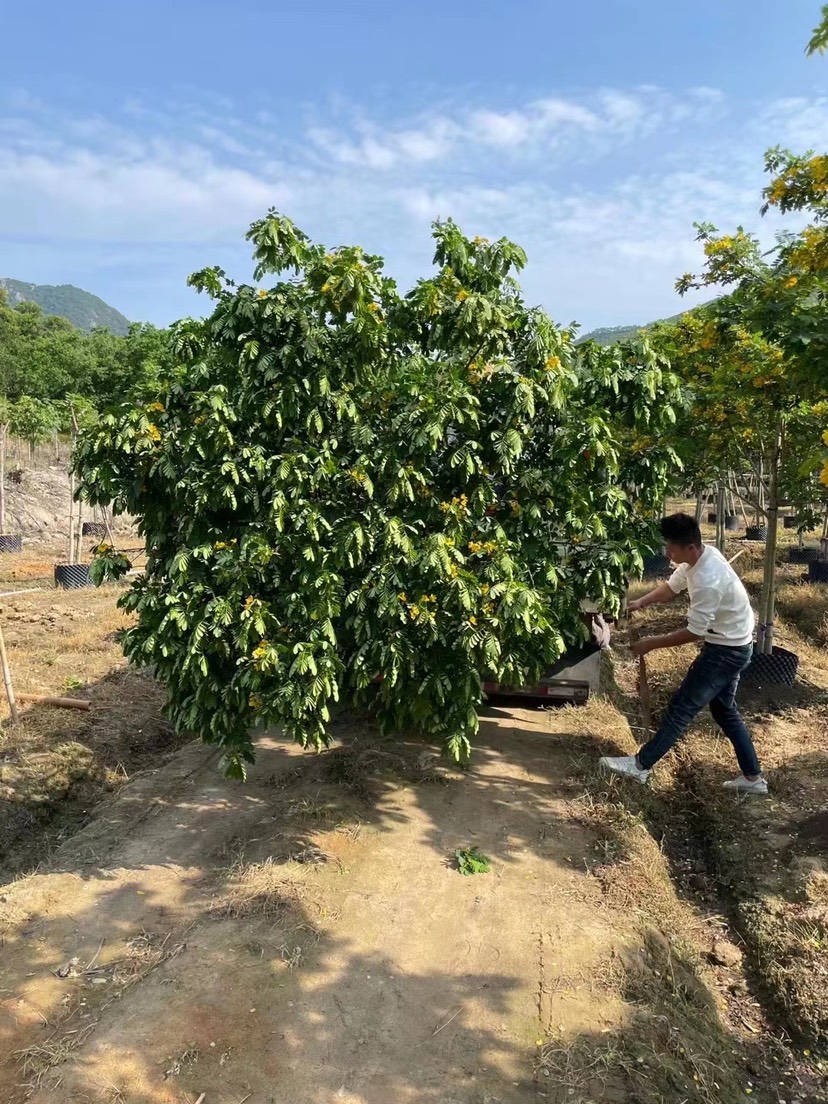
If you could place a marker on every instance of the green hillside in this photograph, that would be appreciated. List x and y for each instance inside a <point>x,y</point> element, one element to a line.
<point>608,335</point>
<point>84,310</point>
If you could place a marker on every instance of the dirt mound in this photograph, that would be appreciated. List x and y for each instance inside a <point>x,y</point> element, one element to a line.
<point>37,503</point>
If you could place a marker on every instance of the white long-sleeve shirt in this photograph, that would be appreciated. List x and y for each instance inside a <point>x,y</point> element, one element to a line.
<point>720,610</point>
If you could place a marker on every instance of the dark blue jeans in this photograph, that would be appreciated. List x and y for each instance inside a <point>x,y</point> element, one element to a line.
<point>712,680</point>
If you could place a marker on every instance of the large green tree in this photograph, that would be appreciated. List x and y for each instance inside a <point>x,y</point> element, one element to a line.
<point>349,493</point>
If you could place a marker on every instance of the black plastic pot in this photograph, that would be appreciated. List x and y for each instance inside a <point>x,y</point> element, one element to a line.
<point>712,518</point>
<point>803,555</point>
<point>657,566</point>
<point>818,571</point>
<point>789,521</point>
<point>732,523</point>
<point>756,532</point>
<point>777,669</point>
<point>11,542</point>
<point>93,529</point>
<point>72,576</point>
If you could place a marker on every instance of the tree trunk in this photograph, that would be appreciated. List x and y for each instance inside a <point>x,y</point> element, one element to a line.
<point>71,517</point>
<point>767,606</point>
<point>110,538</point>
<point>79,533</point>
<point>720,525</point>
<point>699,507</point>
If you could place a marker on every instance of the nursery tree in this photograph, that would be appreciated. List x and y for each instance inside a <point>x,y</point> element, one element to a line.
<point>32,420</point>
<point>352,494</point>
<point>770,341</point>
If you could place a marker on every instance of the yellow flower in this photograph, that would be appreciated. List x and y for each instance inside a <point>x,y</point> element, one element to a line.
<point>485,589</point>
<point>461,295</point>
<point>261,650</point>
<point>472,621</point>
<point>825,437</point>
<point>374,307</point>
<point>255,701</point>
<point>402,597</point>
<point>262,293</point>
<point>823,475</point>
<point>157,407</point>
<point>325,288</point>
<point>453,570</point>
<point>199,420</point>
<point>155,433</point>
<point>415,612</point>
<point>792,282</point>
<point>219,546</point>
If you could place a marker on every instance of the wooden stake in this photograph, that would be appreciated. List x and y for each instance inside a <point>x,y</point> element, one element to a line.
<point>644,696</point>
<point>3,430</point>
<point>61,703</point>
<point>7,681</point>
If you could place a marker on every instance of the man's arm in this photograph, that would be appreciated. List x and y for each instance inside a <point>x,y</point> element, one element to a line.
<point>662,593</point>
<point>671,640</point>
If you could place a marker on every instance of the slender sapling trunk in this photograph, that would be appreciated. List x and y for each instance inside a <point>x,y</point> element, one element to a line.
<point>767,606</point>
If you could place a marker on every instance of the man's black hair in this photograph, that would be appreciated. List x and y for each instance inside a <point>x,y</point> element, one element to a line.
<point>681,529</point>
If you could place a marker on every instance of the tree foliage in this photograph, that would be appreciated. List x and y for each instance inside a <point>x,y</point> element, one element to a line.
<point>349,494</point>
<point>818,42</point>
<point>44,357</point>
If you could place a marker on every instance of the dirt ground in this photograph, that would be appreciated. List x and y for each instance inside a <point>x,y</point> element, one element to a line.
<point>307,936</point>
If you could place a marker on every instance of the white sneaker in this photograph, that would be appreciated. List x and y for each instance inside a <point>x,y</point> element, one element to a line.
<point>744,785</point>
<point>625,765</point>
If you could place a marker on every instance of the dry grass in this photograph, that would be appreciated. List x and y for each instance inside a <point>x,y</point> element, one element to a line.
<point>263,889</point>
<point>56,764</point>
<point>805,607</point>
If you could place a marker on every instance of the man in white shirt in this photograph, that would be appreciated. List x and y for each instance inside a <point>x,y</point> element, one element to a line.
<point>722,619</point>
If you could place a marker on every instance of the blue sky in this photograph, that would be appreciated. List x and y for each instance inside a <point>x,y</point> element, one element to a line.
<point>137,142</point>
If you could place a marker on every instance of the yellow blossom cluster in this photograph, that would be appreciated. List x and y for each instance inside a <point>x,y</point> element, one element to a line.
<point>476,547</point>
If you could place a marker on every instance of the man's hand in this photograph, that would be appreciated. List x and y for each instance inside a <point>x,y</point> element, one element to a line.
<point>642,647</point>
<point>634,606</point>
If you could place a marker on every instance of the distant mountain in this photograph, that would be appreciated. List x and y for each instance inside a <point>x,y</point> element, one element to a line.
<point>83,309</point>
<point>608,335</point>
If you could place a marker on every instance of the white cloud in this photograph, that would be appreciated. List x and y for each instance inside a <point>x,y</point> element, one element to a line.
<point>602,190</point>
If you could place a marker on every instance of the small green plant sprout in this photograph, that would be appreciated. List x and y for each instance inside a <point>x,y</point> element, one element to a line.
<point>472,861</point>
